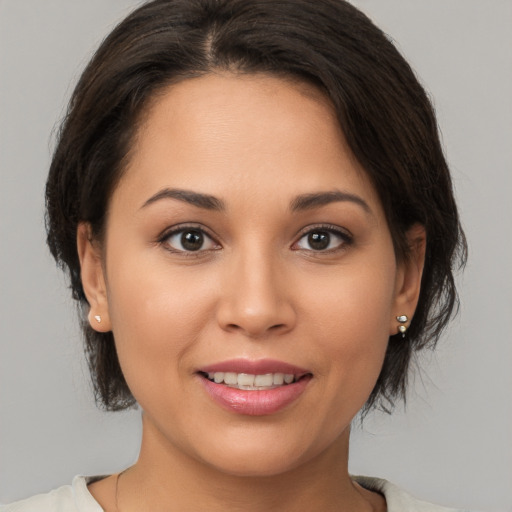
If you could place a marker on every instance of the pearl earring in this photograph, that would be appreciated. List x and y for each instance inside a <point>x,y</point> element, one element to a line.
<point>402,329</point>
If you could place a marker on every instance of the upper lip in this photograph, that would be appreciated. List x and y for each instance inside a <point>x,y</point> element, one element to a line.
<point>258,367</point>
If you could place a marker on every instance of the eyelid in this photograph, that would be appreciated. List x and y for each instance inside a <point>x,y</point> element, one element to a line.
<point>338,231</point>
<point>168,232</point>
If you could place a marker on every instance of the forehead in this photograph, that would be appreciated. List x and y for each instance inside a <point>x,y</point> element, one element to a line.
<point>227,134</point>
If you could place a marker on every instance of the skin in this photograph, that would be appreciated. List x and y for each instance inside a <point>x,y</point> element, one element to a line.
<point>257,289</point>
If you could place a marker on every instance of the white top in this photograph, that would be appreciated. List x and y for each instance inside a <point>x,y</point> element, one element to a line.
<point>77,498</point>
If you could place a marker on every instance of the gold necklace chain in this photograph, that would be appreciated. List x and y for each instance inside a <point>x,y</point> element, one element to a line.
<point>117,489</point>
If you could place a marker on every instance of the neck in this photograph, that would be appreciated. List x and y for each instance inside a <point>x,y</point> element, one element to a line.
<point>166,478</point>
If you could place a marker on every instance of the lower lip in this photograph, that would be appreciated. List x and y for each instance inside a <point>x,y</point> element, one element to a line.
<point>256,402</point>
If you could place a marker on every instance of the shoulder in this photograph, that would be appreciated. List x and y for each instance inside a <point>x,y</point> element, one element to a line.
<point>397,499</point>
<point>68,498</point>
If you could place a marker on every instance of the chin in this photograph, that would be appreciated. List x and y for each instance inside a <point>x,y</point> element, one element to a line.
<point>265,456</point>
<point>259,466</point>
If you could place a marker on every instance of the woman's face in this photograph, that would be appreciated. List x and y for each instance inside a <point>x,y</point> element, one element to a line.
<point>244,238</point>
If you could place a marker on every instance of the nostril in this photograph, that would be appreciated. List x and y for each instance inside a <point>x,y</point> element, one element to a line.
<point>254,315</point>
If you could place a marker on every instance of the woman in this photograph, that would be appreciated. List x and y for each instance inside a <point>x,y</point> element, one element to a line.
<point>257,218</point>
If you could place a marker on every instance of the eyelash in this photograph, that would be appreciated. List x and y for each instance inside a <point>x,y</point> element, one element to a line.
<point>346,239</point>
<point>164,240</point>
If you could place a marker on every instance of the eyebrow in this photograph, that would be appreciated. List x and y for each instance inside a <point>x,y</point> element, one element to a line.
<point>205,201</point>
<point>300,203</point>
<point>314,200</point>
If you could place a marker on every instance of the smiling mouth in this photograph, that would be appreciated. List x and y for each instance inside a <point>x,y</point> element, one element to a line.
<point>253,382</point>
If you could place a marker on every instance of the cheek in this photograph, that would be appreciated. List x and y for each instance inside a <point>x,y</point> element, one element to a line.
<point>352,323</point>
<point>355,301</point>
<point>157,316</point>
<point>147,292</point>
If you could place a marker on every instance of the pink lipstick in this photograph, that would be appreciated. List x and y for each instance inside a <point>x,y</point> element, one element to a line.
<point>254,388</point>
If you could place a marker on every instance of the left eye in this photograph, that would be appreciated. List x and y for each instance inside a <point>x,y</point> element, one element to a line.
<point>189,240</point>
<point>322,240</point>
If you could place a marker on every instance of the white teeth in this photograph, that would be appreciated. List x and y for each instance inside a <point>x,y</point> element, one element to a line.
<point>264,380</point>
<point>245,379</point>
<point>249,381</point>
<point>230,378</point>
<point>278,379</point>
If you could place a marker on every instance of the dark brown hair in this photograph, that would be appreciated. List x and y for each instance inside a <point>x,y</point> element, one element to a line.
<point>382,109</point>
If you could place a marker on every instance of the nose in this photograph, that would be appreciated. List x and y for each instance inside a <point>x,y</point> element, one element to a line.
<point>255,300</point>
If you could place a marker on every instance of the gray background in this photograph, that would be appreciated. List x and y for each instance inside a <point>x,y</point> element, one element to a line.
<point>454,443</point>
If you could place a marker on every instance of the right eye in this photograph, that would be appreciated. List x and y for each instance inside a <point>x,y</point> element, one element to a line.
<point>188,240</point>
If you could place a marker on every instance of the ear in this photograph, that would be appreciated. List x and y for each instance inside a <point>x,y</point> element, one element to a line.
<point>93,279</point>
<point>408,279</point>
